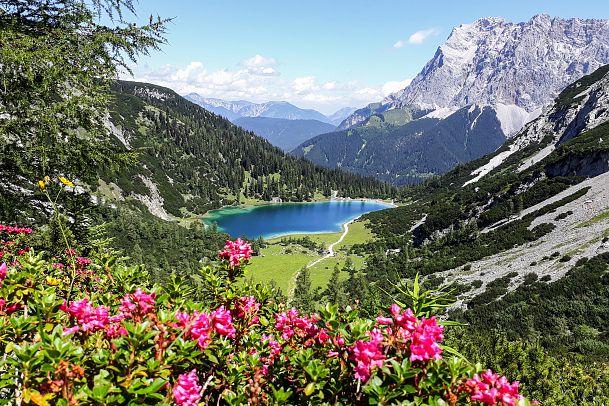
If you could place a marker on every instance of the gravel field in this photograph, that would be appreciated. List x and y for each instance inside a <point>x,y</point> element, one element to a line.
<point>572,236</point>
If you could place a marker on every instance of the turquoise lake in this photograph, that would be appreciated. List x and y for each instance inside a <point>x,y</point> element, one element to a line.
<point>275,220</point>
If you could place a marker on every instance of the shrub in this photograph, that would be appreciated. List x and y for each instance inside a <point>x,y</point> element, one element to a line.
<point>77,330</point>
<point>565,258</point>
<point>530,278</point>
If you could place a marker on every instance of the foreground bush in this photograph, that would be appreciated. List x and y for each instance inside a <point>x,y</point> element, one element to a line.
<point>77,330</point>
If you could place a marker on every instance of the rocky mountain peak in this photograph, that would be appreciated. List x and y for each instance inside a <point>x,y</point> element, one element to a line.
<point>521,66</point>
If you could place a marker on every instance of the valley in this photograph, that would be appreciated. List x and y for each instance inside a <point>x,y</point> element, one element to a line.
<point>191,213</point>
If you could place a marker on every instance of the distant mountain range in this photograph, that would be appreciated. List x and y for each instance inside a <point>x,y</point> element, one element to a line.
<point>241,108</point>
<point>270,120</point>
<point>511,71</point>
<point>283,133</point>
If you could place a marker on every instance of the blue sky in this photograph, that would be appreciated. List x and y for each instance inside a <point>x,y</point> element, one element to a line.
<point>316,54</point>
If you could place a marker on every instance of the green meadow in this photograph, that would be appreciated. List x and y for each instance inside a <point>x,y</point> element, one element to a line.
<point>281,261</point>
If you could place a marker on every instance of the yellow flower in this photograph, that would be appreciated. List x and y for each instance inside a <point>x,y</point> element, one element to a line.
<point>41,400</point>
<point>41,185</point>
<point>53,281</point>
<point>66,181</point>
<point>46,179</point>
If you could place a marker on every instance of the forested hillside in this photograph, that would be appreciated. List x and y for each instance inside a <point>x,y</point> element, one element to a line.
<point>408,153</point>
<point>182,161</point>
<point>191,160</point>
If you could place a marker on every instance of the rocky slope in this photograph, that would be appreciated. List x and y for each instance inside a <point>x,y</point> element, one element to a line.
<point>538,205</point>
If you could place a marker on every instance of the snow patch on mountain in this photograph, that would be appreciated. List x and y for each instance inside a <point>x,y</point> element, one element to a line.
<point>513,117</point>
<point>441,113</point>
<point>492,164</point>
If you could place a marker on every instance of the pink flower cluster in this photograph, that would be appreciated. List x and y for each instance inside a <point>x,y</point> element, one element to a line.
<point>15,230</point>
<point>199,326</point>
<point>274,351</point>
<point>367,355</point>
<point>187,391</point>
<point>92,319</point>
<point>246,307</point>
<point>3,307</point>
<point>491,389</point>
<point>137,304</point>
<point>235,251</point>
<point>423,334</point>
<point>10,309</point>
<point>289,324</point>
<point>83,261</point>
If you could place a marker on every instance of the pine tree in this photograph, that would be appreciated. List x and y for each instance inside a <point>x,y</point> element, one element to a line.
<point>518,204</point>
<point>57,63</point>
<point>303,298</point>
<point>334,292</point>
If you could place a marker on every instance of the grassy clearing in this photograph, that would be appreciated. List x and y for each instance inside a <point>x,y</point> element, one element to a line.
<point>595,219</point>
<point>275,264</point>
<point>282,262</point>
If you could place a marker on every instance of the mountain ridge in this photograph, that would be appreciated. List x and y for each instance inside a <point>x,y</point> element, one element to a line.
<point>411,152</point>
<point>241,108</point>
<point>491,62</point>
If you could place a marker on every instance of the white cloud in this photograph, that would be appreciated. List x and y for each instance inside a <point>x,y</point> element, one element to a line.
<point>420,36</point>
<point>258,60</point>
<point>417,38</point>
<point>254,80</point>
<point>399,44</point>
<point>303,84</point>
<point>394,86</point>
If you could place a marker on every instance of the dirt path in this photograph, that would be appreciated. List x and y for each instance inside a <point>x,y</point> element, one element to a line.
<point>331,247</point>
<point>330,254</point>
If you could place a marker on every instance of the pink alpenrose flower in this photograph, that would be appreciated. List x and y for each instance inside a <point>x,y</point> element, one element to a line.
<point>187,391</point>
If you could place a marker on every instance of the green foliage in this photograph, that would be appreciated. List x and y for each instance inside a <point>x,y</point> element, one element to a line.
<point>553,380</point>
<point>121,340</point>
<point>569,95</point>
<point>423,302</point>
<point>56,63</point>
<point>303,298</point>
<point>161,246</point>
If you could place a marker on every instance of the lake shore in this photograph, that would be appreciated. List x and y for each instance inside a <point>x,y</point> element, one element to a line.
<point>249,206</point>
<point>224,216</point>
